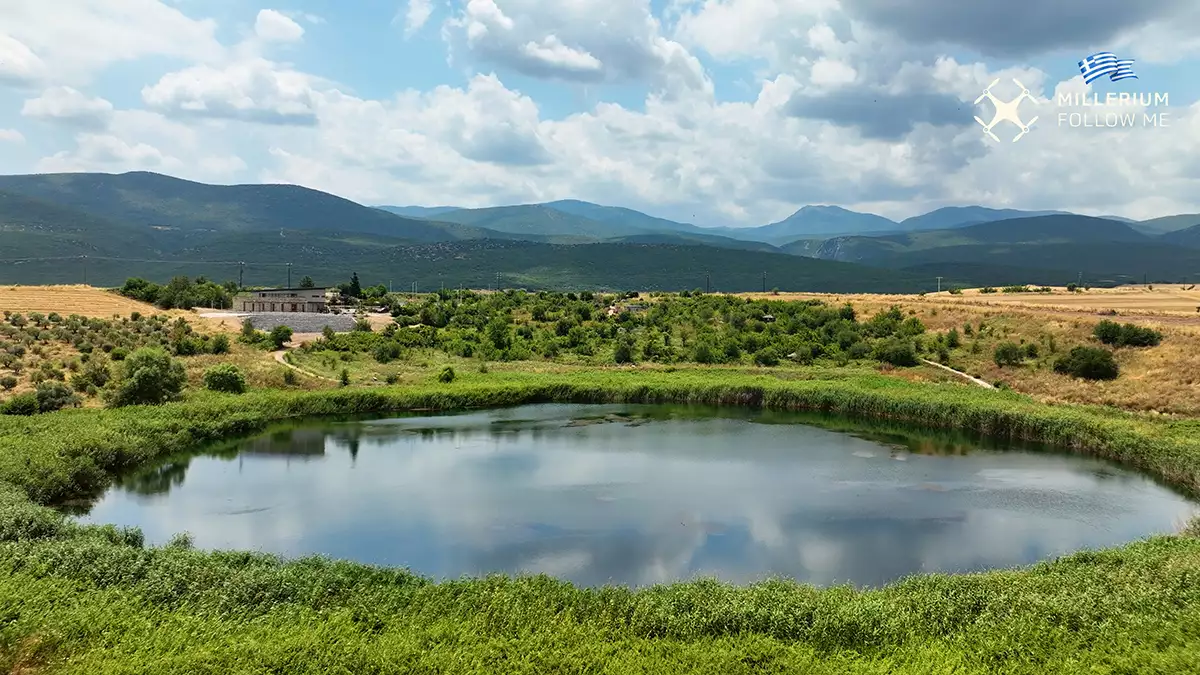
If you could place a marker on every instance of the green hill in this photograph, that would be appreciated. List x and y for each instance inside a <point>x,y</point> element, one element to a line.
<point>1189,237</point>
<point>1168,223</point>
<point>186,209</point>
<point>539,219</point>
<point>958,216</point>
<point>1038,230</point>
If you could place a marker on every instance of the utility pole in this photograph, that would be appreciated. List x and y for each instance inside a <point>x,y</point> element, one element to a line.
<point>764,282</point>
<point>85,270</point>
<point>707,280</point>
<point>497,282</point>
<point>289,266</point>
<point>939,284</point>
<point>241,271</point>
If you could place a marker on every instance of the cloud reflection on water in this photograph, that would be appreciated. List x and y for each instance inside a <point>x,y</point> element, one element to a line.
<point>519,491</point>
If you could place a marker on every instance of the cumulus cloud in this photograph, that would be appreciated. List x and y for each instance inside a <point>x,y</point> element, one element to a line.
<point>1017,28</point>
<point>74,39</point>
<point>253,90</point>
<point>586,41</point>
<point>416,15</point>
<point>18,64</point>
<point>273,26</point>
<point>71,107</point>
<point>104,152</point>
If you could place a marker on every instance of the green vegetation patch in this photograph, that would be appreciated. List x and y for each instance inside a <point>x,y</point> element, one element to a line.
<point>93,599</point>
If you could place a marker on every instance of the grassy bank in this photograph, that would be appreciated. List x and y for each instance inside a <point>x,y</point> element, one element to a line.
<point>94,600</point>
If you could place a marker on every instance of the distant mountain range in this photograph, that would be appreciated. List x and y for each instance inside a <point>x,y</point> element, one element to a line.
<point>60,227</point>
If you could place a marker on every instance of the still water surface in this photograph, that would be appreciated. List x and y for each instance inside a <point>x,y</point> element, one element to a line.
<point>635,495</point>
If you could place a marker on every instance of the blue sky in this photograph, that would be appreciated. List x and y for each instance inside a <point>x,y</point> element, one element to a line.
<point>720,112</point>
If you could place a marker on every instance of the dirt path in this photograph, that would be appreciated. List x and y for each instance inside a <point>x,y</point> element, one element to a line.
<point>280,356</point>
<point>976,380</point>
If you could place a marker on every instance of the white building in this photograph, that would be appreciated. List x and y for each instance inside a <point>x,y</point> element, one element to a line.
<point>282,300</point>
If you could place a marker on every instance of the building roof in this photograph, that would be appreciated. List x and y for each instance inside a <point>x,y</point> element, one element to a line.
<point>278,290</point>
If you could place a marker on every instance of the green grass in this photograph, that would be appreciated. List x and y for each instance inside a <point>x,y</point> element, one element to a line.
<point>94,600</point>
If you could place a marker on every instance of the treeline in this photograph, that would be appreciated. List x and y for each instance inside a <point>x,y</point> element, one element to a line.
<point>696,327</point>
<point>181,292</point>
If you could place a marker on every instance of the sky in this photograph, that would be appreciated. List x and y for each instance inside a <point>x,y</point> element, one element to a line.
<point>716,112</point>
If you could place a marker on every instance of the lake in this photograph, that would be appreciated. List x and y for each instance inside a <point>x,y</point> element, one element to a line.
<point>636,495</point>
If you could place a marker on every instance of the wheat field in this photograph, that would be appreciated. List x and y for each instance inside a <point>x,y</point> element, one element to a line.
<point>77,299</point>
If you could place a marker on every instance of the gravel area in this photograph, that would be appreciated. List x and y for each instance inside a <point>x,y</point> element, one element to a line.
<point>298,322</point>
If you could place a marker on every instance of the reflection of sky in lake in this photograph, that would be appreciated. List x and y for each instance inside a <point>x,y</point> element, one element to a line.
<point>520,490</point>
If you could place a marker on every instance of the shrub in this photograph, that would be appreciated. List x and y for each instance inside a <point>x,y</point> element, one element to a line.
<point>289,376</point>
<point>280,335</point>
<point>623,352</point>
<point>446,376</point>
<point>95,373</point>
<point>1031,350</point>
<point>219,344</point>
<point>149,376</point>
<point>987,289</point>
<point>952,339</point>
<point>1127,335</point>
<point>897,352</point>
<point>119,353</point>
<point>53,395</point>
<point>1089,363</point>
<point>21,404</point>
<point>1008,354</point>
<point>225,377</point>
<point>392,378</point>
<point>344,377</point>
<point>8,382</point>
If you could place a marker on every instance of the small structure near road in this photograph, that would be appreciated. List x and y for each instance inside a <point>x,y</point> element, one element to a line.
<point>309,300</point>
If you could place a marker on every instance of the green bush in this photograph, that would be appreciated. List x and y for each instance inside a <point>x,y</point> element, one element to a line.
<point>1089,363</point>
<point>53,395</point>
<point>344,377</point>
<point>1128,335</point>
<point>280,335</point>
<point>225,377</point>
<point>149,376</point>
<point>219,344</point>
<point>446,376</point>
<point>1008,354</point>
<point>21,404</point>
<point>897,352</point>
<point>8,382</point>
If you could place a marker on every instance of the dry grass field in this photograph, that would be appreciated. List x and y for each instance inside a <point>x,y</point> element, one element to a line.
<point>1164,379</point>
<point>82,300</point>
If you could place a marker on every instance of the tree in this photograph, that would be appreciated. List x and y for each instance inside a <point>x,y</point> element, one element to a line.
<point>1008,354</point>
<point>149,376</point>
<point>307,282</point>
<point>1089,363</point>
<point>225,377</point>
<point>280,336</point>
<point>53,395</point>
<point>355,289</point>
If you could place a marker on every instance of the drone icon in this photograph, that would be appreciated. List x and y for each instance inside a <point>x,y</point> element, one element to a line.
<point>1006,110</point>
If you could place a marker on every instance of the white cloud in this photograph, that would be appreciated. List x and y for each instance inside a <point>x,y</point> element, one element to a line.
<point>69,106</point>
<point>273,26</point>
<point>18,64</point>
<point>417,14</point>
<point>11,136</point>
<point>105,152</point>
<point>77,38</point>
<point>584,41</point>
<point>253,90</point>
